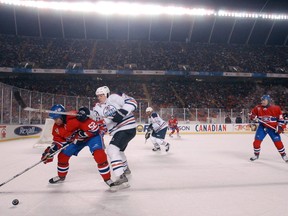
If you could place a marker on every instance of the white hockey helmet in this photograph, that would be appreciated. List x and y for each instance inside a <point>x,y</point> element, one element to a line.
<point>149,109</point>
<point>103,90</point>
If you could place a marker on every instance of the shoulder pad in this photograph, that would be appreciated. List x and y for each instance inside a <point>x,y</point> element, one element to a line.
<point>119,93</point>
<point>154,115</point>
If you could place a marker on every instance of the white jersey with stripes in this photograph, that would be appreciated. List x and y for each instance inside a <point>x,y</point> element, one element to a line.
<point>157,122</point>
<point>113,103</point>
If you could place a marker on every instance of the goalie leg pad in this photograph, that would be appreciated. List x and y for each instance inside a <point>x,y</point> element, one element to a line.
<point>103,166</point>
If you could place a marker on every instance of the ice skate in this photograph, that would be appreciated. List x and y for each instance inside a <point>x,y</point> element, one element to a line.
<point>112,186</point>
<point>120,183</point>
<point>127,171</point>
<point>167,147</point>
<point>156,149</point>
<point>256,157</point>
<point>56,179</point>
<point>170,135</point>
<point>178,136</point>
<point>109,182</point>
<point>285,158</point>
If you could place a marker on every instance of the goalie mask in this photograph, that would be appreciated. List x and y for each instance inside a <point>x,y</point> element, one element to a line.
<point>103,90</point>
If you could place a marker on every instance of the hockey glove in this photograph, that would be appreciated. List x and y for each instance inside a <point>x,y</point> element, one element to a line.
<point>83,114</point>
<point>147,135</point>
<point>82,135</point>
<point>119,115</point>
<point>279,129</point>
<point>253,117</point>
<point>46,156</point>
<point>150,128</point>
<point>102,127</point>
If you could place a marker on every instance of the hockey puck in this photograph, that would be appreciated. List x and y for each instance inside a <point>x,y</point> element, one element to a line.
<point>15,202</point>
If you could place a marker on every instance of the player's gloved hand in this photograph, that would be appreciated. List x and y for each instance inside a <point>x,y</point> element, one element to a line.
<point>83,114</point>
<point>46,155</point>
<point>279,129</point>
<point>253,117</point>
<point>150,128</point>
<point>147,135</point>
<point>102,127</point>
<point>82,135</point>
<point>119,115</point>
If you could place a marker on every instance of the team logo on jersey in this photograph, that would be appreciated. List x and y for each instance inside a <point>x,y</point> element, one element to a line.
<point>97,115</point>
<point>109,110</point>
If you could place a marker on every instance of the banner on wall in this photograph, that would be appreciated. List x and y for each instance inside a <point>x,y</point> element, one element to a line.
<point>3,132</point>
<point>207,128</point>
<point>10,132</point>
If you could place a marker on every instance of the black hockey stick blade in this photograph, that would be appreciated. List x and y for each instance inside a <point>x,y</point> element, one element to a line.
<point>19,99</point>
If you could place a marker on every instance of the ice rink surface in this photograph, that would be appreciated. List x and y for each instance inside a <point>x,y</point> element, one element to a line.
<point>202,175</point>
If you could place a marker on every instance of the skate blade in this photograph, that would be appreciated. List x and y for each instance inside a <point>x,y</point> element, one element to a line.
<point>119,187</point>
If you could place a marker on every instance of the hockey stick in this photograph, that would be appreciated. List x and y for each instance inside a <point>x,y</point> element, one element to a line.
<point>23,105</point>
<point>32,166</point>
<point>259,120</point>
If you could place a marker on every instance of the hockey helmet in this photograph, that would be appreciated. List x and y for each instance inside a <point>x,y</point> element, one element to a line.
<point>103,90</point>
<point>57,108</point>
<point>149,109</point>
<point>266,97</point>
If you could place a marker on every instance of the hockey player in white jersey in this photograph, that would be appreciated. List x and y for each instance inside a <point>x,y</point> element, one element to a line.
<point>117,112</point>
<point>157,129</point>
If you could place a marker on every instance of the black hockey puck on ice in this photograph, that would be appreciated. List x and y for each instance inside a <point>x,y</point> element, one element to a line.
<point>15,202</point>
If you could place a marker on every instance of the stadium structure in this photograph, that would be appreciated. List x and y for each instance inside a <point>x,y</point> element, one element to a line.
<point>245,22</point>
<point>236,51</point>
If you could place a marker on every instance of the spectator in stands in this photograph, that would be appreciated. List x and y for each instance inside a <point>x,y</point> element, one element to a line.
<point>228,120</point>
<point>238,119</point>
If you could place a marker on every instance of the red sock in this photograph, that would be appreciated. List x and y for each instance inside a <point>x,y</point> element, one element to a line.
<point>257,146</point>
<point>279,145</point>
<point>103,166</point>
<point>63,165</point>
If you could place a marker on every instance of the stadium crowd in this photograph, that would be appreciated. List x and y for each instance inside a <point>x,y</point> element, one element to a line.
<point>159,91</point>
<point>163,91</point>
<point>141,55</point>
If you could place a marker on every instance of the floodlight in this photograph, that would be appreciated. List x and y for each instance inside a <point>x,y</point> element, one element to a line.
<point>134,9</point>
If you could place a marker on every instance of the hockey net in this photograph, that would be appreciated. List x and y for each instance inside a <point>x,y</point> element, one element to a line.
<point>46,135</point>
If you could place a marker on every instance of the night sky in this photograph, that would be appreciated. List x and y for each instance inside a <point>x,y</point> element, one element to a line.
<point>47,23</point>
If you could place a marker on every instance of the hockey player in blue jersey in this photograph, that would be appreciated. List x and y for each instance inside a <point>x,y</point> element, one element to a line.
<point>156,130</point>
<point>117,112</point>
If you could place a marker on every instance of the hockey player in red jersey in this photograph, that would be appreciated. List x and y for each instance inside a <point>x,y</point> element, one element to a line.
<point>271,122</point>
<point>76,132</point>
<point>173,125</point>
